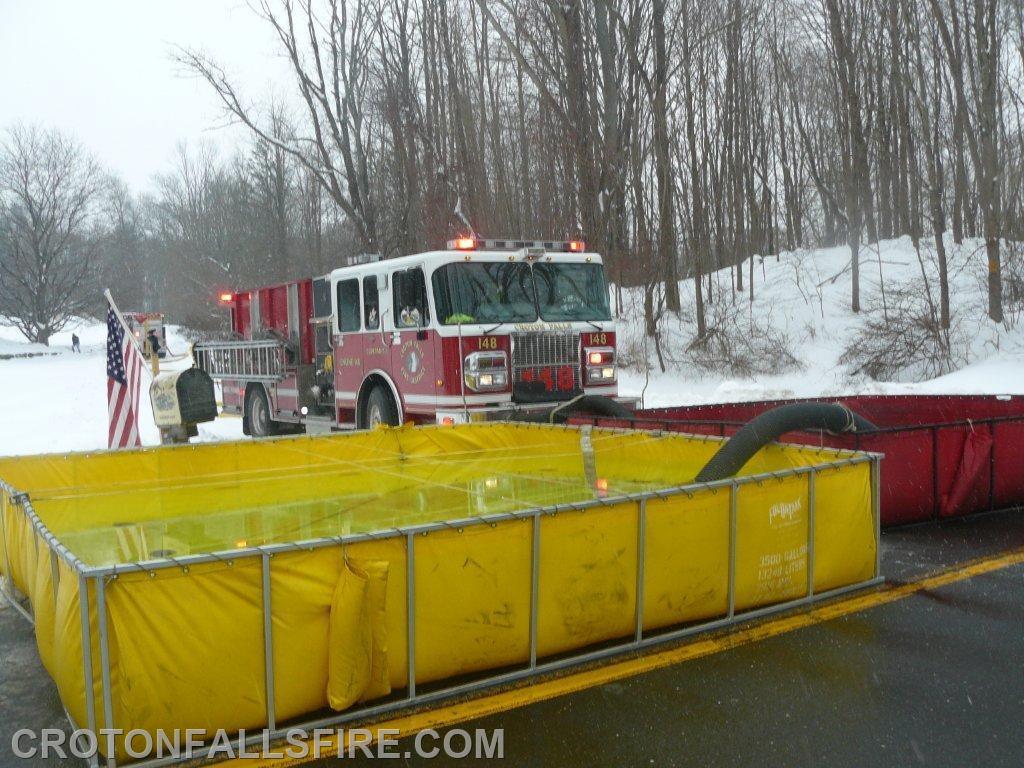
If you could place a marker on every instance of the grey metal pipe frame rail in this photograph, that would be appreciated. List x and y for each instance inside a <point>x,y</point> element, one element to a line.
<point>7,581</point>
<point>90,696</point>
<point>268,646</point>
<point>638,640</point>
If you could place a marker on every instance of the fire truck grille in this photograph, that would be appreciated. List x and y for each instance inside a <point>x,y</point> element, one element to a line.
<point>545,366</point>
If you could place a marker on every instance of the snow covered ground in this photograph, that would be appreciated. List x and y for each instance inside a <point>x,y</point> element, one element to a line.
<point>804,297</point>
<point>56,402</point>
<point>999,375</point>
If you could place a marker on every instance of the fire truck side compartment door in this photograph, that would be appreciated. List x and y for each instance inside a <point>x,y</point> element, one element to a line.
<point>348,352</point>
<point>255,322</point>
<point>413,350</point>
<point>377,322</point>
<point>293,313</point>
<point>322,306</point>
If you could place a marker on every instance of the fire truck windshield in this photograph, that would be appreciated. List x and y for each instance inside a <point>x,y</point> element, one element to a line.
<point>513,291</point>
<point>569,291</point>
<point>485,292</point>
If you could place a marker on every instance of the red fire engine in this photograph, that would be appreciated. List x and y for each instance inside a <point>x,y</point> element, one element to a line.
<point>141,324</point>
<point>481,330</point>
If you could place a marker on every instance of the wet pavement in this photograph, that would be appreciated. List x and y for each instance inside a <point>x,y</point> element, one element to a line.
<point>935,678</point>
<point>915,551</point>
<point>28,697</point>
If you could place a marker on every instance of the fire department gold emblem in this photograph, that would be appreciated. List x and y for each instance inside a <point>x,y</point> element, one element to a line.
<point>413,368</point>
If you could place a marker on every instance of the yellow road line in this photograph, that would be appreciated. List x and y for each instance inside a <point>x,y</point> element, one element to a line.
<point>551,688</point>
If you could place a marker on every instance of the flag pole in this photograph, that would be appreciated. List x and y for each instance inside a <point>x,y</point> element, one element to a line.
<point>124,325</point>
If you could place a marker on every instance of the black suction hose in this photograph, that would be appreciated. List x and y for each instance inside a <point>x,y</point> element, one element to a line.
<point>761,430</point>
<point>584,405</point>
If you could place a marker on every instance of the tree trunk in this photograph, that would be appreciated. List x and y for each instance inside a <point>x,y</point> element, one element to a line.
<point>667,255</point>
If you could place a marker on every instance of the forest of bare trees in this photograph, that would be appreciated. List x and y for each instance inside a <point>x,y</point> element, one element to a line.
<point>679,137</point>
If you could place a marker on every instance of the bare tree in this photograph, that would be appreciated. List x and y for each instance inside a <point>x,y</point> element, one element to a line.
<point>928,103</point>
<point>123,251</point>
<point>328,49</point>
<point>683,138</point>
<point>668,254</point>
<point>973,61</point>
<point>269,173</point>
<point>49,193</point>
<point>847,39</point>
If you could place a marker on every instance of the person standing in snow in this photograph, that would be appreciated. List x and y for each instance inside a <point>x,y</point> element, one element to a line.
<point>76,343</point>
<point>154,342</point>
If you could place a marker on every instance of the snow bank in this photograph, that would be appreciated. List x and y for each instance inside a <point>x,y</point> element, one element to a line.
<point>58,402</point>
<point>804,296</point>
<point>90,332</point>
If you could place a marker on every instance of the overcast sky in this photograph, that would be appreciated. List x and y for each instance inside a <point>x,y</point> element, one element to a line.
<point>102,70</point>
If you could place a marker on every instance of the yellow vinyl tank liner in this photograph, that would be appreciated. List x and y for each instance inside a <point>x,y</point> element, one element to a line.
<point>320,580</point>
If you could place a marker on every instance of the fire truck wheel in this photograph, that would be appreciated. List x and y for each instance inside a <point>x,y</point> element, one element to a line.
<point>257,412</point>
<point>380,408</point>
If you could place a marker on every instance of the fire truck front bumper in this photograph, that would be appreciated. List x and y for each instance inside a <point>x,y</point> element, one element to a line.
<point>513,412</point>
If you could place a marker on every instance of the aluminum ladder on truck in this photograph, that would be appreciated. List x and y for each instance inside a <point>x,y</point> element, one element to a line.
<point>263,360</point>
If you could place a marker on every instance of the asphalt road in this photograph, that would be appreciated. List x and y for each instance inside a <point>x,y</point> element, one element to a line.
<point>936,679</point>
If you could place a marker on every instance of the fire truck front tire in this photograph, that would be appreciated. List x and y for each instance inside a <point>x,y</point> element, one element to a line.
<point>380,409</point>
<point>257,413</point>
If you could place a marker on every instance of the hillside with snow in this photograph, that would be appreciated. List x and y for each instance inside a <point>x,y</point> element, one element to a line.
<point>789,342</point>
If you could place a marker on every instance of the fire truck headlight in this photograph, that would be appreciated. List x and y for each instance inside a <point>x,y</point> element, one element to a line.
<point>491,381</point>
<point>486,371</point>
<point>603,375</point>
<point>600,365</point>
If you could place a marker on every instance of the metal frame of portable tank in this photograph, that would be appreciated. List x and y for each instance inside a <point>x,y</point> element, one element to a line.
<point>101,575</point>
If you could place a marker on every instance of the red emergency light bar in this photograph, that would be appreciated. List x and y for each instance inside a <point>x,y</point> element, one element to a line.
<point>558,246</point>
<point>225,298</point>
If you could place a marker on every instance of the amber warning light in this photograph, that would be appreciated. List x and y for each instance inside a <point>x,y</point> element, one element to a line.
<point>577,246</point>
<point>462,244</point>
<point>226,298</point>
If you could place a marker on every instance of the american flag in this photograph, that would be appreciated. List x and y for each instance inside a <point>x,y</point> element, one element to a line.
<point>124,375</point>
